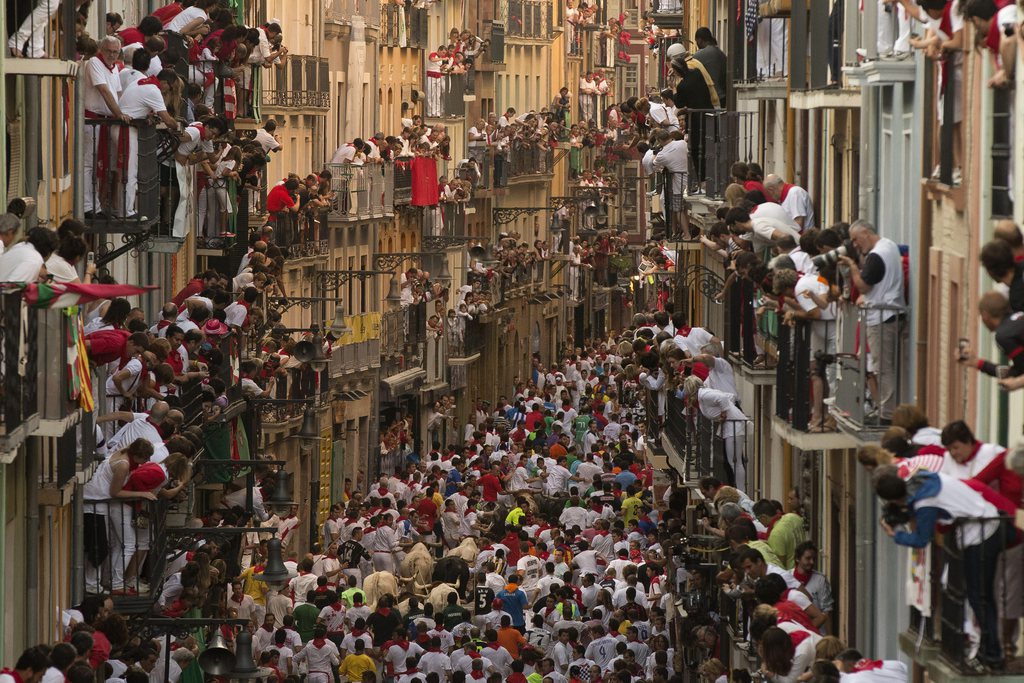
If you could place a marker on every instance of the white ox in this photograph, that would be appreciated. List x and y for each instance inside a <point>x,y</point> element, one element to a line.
<point>377,585</point>
<point>438,596</point>
<point>416,569</point>
<point>467,550</point>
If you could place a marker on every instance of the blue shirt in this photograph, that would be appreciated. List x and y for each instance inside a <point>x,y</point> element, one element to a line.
<point>514,604</point>
<point>625,477</point>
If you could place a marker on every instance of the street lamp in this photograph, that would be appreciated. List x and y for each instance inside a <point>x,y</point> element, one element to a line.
<point>444,275</point>
<point>275,574</point>
<point>339,328</point>
<point>281,500</point>
<point>309,433</point>
<point>394,297</point>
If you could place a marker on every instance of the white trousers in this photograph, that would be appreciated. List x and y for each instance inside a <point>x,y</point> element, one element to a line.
<point>30,37</point>
<point>121,537</point>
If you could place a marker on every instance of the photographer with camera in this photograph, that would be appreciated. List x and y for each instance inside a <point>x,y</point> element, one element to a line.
<point>879,279</point>
<point>997,316</point>
<point>931,498</point>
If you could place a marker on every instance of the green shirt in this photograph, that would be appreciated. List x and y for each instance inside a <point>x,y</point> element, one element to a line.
<point>766,552</point>
<point>348,594</point>
<point>786,534</point>
<point>453,615</point>
<point>305,620</point>
<point>580,426</point>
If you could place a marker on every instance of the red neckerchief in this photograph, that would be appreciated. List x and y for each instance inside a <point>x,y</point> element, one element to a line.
<point>384,611</point>
<point>801,577</point>
<point>198,126</point>
<point>974,452</point>
<point>151,80</point>
<point>13,674</point>
<point>476,674</point>
<point>786,187</point>
<point>319,642</point>
<point>321,589</point>
<point>336,606</point>
<point>357,632</point>
<point>268,629</point>
<point>866,665</point>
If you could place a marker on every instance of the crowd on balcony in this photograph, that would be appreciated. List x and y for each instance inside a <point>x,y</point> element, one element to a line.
<point>188,68</point>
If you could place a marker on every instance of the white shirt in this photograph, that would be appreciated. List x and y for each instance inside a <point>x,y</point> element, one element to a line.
<point>139,101</point>
<point>769,217</point>
<point>798,204</point>
<point>20,263</point>
<point>139,428</point>
<point>97,74</point>
<point>812,284</point>
<point>60,269</point>
<point>318,659</point>
<point>267,141</point>
<point>184,18</point>
<point>134,369</point>
<point>602,651</point>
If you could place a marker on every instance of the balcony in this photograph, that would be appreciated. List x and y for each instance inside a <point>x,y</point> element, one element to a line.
<point>526,19</point>
<point>761,64</point>
<point>19,362</point>
<point>359,349</point>
<point>403,335</point>
<point>403,28</point>
<point>301,235</point>
<point>700,446</point>
<point>864,400</point>
<point>667,13</point>
<point>302,82</point>
<point>446,95</point>
<point>527,162</point>
<point>466,340</point>
<point>43,48</point>
<point>122,175</point>
<point>803,374</point>
<point>364,192</point>
<point>339,13</point>
<point>941,641</point>
<point>746,329</point>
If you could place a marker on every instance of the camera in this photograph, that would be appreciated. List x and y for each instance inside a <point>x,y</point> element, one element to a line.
<point>830,258</point>
<point>895,514</point>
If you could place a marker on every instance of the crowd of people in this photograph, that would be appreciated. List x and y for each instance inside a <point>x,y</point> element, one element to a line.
<point>564,558</point>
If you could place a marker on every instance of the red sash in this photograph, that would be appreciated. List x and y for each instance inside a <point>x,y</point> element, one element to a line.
<point>109,171</point>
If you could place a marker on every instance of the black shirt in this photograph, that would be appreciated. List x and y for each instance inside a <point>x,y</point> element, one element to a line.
<point>1017,288</point>
<point>482,599</point>
<point>1009,338</point>
<point>352,552</point>
<point>873,269</point>
<point>383,627</point>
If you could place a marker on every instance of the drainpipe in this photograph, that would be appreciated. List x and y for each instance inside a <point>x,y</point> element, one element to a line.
<point>3,558</point>
<point>33,123</point>
<point>32,471</point>
<point>77,546</point>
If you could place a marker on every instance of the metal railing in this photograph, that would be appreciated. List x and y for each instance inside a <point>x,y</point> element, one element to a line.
<point>465,337</point>
<point>365,191</point>
<point>987,563</point>
<point>717,139</point>
<point>122,174</point>
<point>342,11</point>
<point>750,334</point>
<point>706,447</point>
<point>528,18</point>
<point>805,371</point>
<point>136,549</point>
<point>666,6</point>
<point>18,362</point>
<point>530,159</point>
<point>301,234</point>
<point>300,82</point>
<point>402,27</point>
<point>36,30</point>
<point>444,95</point>
<point>871,363</point>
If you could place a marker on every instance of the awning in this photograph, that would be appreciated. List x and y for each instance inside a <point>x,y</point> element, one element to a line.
<point>404,382</point>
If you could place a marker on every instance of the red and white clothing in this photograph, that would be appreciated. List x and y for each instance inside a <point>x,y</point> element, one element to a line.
<point>320,657</point>
<point>980,458</point>
<point>333,617</point>
<point>395,654</point>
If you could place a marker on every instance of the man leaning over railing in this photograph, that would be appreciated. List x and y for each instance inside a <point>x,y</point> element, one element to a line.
<point>982,531</point>
<point>878,276</point>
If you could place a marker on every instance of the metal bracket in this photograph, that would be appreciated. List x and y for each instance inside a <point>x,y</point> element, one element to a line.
<point>390,261</point>
<point>708,282</point>
<point>442,242</point>
<point>334,279</point>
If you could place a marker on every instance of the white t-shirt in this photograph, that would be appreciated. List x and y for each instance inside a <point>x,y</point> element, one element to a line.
<point>813,284</point>
<point>267,141</point>
<point>20,263</point>
<point>60,269</point>
<point>184,18</point>
<point>139,101</point>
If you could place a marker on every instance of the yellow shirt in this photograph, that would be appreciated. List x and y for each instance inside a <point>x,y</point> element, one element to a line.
<point>630,506</point>
<point>257,590</point>
<point>354,666</point>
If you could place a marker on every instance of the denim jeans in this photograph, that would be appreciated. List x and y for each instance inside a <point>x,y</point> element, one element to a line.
<point>980,563</point>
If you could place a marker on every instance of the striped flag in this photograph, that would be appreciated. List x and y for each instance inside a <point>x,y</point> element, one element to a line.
<point>67,294</point>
